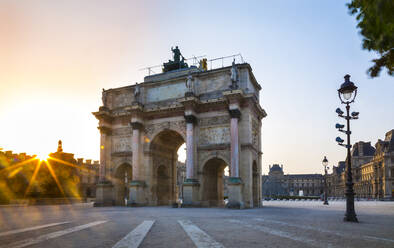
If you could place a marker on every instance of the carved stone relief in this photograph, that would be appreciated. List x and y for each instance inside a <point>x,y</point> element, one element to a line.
<point>255,133</point>
<point>154,129</point>
<point>217,120</point>
<point>121,143</point>
<point>214,135</point>
<point>204,156</point>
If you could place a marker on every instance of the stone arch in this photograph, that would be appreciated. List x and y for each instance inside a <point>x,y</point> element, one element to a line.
<point>255,184</point>
<point>214,155</point>
<point>152,130</point>
<point>213,182</point>
<point>122,176</point>
<point>163,151</point>
<point>119,163</point>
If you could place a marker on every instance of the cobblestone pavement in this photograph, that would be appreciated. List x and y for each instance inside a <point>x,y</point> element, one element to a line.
<point>277,224</point>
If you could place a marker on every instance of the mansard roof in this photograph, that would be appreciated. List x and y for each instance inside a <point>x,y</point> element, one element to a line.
<point>276,167</point>
<point>390,139</point>
<point>304,176</point>
<point>364,148</point>
<point>340,168</point>
<point>386,145</point>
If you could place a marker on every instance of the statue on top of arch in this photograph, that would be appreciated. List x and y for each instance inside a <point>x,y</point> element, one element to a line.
<point>177,63</point>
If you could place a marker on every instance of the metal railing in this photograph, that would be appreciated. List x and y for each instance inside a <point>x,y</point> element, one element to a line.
<point>195,61</point>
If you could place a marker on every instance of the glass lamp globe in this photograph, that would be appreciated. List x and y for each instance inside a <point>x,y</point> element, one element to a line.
<point>325,161</point>
<point>347,95</point>
<point>347,88</point>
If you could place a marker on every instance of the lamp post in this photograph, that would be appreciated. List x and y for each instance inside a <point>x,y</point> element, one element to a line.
<point>325,163</point>
<point>347,93</point>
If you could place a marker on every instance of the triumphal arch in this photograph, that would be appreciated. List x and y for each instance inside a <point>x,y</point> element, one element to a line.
<point>216,112</point>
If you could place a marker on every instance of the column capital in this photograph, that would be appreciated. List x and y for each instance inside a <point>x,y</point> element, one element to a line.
<point>233,95</point>
<point>189,102</point>
<point>105,130</point>
<point>235,113</point>
<point>104,114</point>
<point>137,125</point>
<point>190,119</point>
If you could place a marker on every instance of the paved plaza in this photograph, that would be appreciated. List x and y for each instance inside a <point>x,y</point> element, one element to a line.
<point>277,224</point>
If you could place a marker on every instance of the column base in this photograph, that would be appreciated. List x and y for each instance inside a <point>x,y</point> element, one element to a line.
<point>190,193</point>
<point>136,194</point>
<point>235,193</point>
<point>104,194</point>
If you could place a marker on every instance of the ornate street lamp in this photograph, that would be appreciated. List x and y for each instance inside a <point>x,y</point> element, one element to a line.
<point>325,163</point>
<point>347,93</point>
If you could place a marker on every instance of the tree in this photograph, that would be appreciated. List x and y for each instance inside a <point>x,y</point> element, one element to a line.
<point>376,21</point>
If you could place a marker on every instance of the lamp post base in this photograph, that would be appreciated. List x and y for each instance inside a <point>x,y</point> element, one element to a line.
<point>325,203</point>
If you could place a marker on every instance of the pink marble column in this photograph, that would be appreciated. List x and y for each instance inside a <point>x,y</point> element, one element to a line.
<point>235,114</point>
<point>190,121</point>
<point>189,150</point>
<point>136,153</point>
<point>103,147</point>
<point>234,148</point>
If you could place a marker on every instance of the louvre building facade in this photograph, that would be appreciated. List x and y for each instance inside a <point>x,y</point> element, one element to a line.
<point>372,168</point>
<point>279,184</point>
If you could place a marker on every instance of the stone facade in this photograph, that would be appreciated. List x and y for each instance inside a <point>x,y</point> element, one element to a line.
<point>279,184</point>
<point>372,168</point>
<point>143,125</point>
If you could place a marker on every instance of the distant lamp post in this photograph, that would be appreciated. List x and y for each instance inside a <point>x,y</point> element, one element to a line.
<point>325,163</point>
<point>347,93</point>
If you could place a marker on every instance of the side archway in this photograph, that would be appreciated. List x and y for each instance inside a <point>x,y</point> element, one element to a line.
<point>213,182</point>
<point>122,176</point>
<point>163,151</point>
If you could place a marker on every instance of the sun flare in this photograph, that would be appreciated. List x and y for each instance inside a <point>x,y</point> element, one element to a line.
<point>42,156</point>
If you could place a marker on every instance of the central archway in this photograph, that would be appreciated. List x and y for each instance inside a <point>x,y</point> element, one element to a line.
<point>213,182</point>
<point>164,151</point>
<point>123,175</point>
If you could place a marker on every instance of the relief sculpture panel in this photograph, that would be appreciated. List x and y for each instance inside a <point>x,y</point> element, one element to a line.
<point>154,129</point>
<point>216,120</point>
<point>121,144</point>
<point>255,133</point>
<point>214,135</point>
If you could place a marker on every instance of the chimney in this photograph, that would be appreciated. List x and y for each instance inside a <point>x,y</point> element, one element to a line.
<point>360,148</point>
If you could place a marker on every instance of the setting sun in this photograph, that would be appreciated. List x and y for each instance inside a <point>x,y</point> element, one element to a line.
<point>42,156</point>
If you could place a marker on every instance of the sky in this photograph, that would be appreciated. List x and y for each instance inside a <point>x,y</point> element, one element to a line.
<point>56,56</point>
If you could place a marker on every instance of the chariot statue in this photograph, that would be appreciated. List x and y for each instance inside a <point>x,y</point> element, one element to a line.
<point>177,63</point>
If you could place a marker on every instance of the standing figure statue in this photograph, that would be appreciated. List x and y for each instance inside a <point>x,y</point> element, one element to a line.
<point>177,54</point>
<point>137,92</point>
<point>104,98</point>
<point>189,83</point>
<point>234,75</point>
